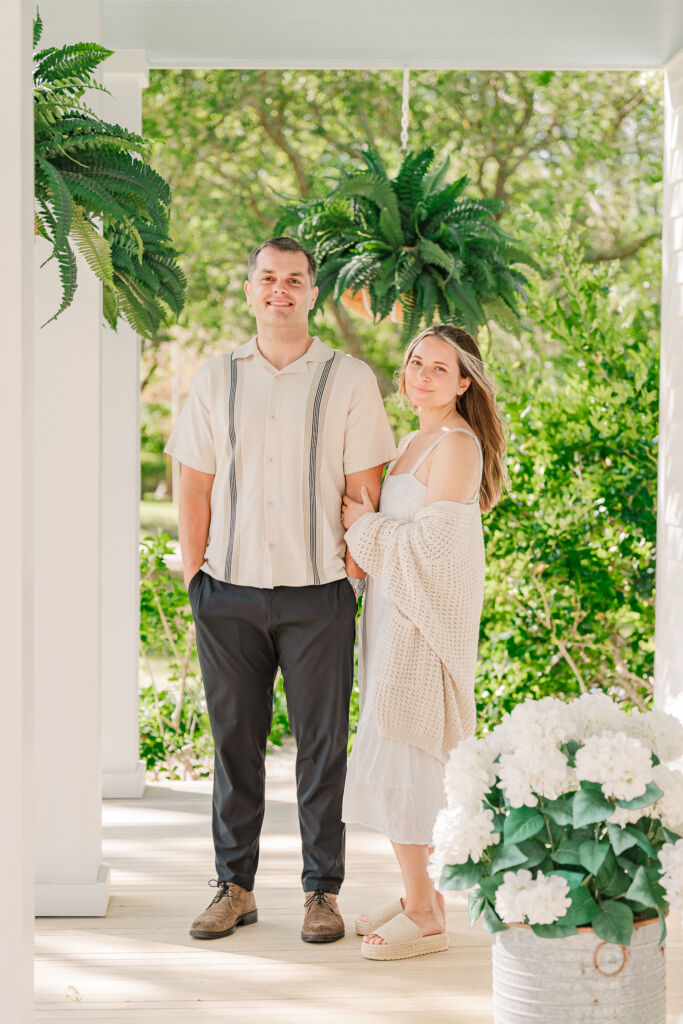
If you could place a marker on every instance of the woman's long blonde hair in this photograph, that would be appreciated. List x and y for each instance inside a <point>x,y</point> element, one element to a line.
<point>477,405</point>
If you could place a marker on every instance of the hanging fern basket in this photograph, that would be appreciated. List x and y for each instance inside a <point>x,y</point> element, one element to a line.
<point>411,249</point>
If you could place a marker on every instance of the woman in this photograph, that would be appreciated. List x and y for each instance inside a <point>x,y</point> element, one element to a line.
<point>424,555</point>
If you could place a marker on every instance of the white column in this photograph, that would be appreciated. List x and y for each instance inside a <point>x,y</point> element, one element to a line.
<point>16,518</point>
<point>125,75</point>
<point>669,607</point>
<point>71,879</point>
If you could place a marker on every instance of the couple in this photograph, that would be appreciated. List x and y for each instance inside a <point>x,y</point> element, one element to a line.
<point>282,444</point>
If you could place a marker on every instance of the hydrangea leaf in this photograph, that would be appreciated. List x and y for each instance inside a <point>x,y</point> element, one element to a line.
<point>567,852</point>
<point>612,880</point>
<point>554,931</point>
<point>583,908</point>
<point>476,902</point>
<point>492,923</point>
<point>620,838</point>
<point>641,840</point>
<point>572,878</point>
<point>614,922</point>
<point>489,887</point>
<point>662,920</point>
<point>651,794</point>
<point>560,811</point>
<point>590,805</point>
<point>534,852</point>
<point>592,855</point>
<point>461,876</point>
<point>522,823</point>
<point>506,856</point>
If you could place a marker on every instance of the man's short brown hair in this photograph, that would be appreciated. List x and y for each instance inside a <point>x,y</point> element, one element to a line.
<point>283,244</point>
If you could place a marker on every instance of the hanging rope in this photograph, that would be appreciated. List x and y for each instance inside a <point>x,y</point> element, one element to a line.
<point>405,110</point>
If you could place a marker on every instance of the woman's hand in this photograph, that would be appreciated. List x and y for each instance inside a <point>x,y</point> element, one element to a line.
<point>353,510</point>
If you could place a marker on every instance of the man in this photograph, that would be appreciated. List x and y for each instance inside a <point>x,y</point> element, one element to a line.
<point>271,436</point>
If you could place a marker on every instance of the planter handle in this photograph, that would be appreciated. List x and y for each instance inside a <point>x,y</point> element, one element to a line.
<point>609,974</point>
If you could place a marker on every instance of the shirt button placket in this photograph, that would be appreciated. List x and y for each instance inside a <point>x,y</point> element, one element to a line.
<point>271,447</point>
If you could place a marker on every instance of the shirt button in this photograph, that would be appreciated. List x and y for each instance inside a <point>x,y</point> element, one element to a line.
<point>273,417</point>
<point>270,502</point>
<point>271,459</point>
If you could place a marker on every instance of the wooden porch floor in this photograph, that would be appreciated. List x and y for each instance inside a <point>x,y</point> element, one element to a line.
<point>139,963</point>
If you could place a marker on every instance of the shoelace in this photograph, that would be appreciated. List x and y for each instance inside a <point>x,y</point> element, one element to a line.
<point>318,897</point>
<point>224,889</point>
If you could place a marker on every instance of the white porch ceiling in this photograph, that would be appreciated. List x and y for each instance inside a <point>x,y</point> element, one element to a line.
<point>604,34</point>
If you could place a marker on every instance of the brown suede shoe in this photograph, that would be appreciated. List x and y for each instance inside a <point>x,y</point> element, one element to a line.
<point>322,920</point>
<point>232,905</point>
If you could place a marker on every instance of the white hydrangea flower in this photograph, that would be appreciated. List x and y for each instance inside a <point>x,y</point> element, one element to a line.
<point>548,721</point>
<point>535,770</point>
<point>469,774</point>
<point>458,835</point>
<point>620,763</point>
<point>507,895</point>
<point>540,900</point>
<point>671,859</point>
<point>669,807</point>
<point>662,732</point>
<point>595,712</point>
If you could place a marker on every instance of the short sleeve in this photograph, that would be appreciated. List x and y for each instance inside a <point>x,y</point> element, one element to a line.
<point>191,441</point>
<point>368,440</point>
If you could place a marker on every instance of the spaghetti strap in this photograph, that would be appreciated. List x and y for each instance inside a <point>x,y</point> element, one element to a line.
<point>455,430</point>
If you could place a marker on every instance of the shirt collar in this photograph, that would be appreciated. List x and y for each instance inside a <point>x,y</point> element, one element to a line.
<point>317,352</point>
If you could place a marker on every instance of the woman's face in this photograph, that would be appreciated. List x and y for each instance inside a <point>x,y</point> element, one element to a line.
<point>432,375</point>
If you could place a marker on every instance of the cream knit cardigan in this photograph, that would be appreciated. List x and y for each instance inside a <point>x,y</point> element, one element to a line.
<point>432,570</point>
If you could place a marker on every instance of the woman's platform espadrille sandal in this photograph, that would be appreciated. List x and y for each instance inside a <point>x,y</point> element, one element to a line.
<point>403,939</point>
<point>378,916</point>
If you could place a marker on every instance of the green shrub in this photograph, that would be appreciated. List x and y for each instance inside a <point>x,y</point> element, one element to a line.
<point>175,734</point>
<point>571,550</point>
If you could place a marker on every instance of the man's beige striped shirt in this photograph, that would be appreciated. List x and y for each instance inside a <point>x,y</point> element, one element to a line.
<point>280,443</point>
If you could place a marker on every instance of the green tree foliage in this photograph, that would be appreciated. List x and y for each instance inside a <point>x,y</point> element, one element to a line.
<point>576,159</point>
<point>234,143</point>
<point>95,188</point>
<point>570,550</point>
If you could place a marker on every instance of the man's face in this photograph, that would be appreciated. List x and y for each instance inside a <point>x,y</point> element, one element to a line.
<point>280,290</point>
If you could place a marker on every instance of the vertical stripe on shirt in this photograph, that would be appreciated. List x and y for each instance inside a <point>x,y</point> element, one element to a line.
<point>232,469</point>
<point>315,416</point>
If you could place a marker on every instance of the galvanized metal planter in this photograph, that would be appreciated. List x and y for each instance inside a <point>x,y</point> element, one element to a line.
<point>578,980</point>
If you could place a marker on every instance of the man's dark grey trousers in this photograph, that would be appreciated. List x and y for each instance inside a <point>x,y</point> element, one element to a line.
<point>243,634</point>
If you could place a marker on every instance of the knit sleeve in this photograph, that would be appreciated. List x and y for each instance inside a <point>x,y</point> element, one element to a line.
<point>378,543</point>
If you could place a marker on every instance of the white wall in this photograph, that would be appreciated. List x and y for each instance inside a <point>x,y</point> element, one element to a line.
<point>16,529</point>
<point>669,608</point>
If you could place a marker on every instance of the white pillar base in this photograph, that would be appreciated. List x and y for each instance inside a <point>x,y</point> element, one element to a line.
<point>74,899</point>
<point>124,785</point>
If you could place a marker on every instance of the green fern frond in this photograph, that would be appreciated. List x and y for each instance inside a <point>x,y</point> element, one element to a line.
<point>56,191</point>
<point>371,186</point>
<point>73,64</point>
<point>92,246</point>
<point>37,29</point>
<point>66,262</point>
<point>407,271</point>
<point>410,181</point>
<point>390,228</point>
<point>433,253</point>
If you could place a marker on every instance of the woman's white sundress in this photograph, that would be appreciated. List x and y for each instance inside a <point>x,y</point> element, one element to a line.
<point>391,786</point>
